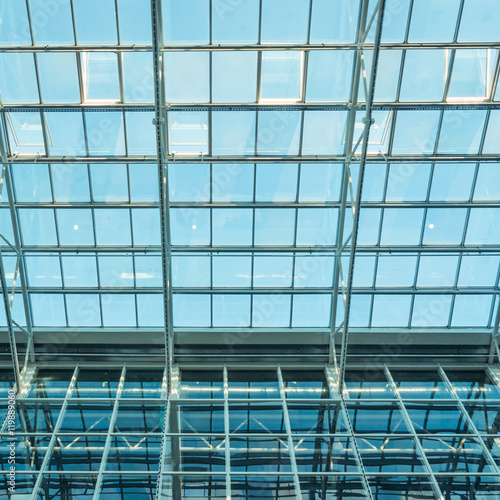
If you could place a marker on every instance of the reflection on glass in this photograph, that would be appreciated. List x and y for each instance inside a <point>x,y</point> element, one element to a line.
<point>368,384</point>
<point>420,385</point>
<point>134,453</point>
<point>66,486</point>
<point>325,454</point>
<point>260,454</point>
<point>197,454</point>
<point>386,454</point>
<point>457,454</point>
<point>253,384</point>
<point>305,384</point>
<point>256,418</point>
<point>77,453</point>
<point>317,419</point>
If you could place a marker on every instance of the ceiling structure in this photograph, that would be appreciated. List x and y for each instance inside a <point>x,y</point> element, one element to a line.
<point>274,179</point>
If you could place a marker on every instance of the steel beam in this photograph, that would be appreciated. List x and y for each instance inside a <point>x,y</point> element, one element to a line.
<point>162,155</point>
<point>246,47</point>
<point>368,121</point>
<point>376,158</point>
<point>240,106</point>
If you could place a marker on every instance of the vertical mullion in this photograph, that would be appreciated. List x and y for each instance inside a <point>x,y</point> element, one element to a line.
<point>227,449</point>
<point>288,429</point>
<point>333,379</point>
<point>469,421</point>
<point>411,428</point>
<point>107,445</point>
<point>52,442</point>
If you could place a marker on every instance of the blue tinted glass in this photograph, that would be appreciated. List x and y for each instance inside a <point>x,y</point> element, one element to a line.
<point>274,226</point>
<point>79,271</point>
<point>188,76</point>
<point>44,271</point>
<point>190,226</point>
<point>444,226</point>
<point>186,21</point>
<point>141,135</point>
<point>58,77</point>
<point>150,310</point>
<point>232,271</point>
<point>83,309</point>
<point>135,21</point>
<point>109,182</point>
<point>271,310</point>
<point>402,226</point>
<point>95,21</point>
<point>471,310</point>
<point>118,310</point>
<point>396,271</point>
<point>48,310</point>
<point>143,182</point>
<point>285,21</point>
<point>138,80</point>
<point>31,183</point>
<point>15,24</point>
<point>487,186</point>
<point>276,182</point>
<point>116,271</point>
<point>231,310</point>
<point>317,226</point>
<point>70,182</point>
<point>452,181</point>
<point>311,311</point>
<point>18,79</point>
<point>272,271</point>
<point>313,271</point>
<point>407,182</point>
<point>431,310</point>
<point>415,132</point>
<point>236,22</point>
<point>232,226</point>
<point>480,20</point>
<point>320,182</point>
<point>437,270</point>
<point>189,182</point>
<point>191,271</point>
<point>233,132</point>
<point>52,22</point>
<point>234,76</point>
<point>278,132</point>
<point>478,270</point>
<point>148,271</point>
<point>330,23</point>
<point>75,226</point>
<point>146,226</point>
<point>112,226</point>
<point>232,182</point>
<point>433,21</point>
<point>191,310</point>
<point>37,226</point>
<point>391,310</point>
<point>483,227</point>
<point>461,131</point>
<point>323,132</point>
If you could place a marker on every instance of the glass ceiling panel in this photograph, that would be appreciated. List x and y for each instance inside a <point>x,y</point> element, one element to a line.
<point>95,104</point>
<point>433,21</point>
<point>95,22</point>
<point>18,82</point>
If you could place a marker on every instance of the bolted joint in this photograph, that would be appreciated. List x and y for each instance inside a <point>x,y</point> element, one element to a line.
<point>371,121</point>
<point>161,121</point>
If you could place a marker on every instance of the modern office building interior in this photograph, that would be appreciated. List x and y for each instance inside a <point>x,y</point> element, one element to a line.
<point>249,249</point>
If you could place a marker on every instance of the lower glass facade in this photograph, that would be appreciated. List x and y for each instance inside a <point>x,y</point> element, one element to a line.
<point>275,433</point>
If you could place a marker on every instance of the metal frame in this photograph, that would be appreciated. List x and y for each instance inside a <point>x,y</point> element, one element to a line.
<point>397,404</point>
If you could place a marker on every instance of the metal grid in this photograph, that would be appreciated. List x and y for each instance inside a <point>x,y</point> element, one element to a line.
<point>158,162</point>
<point>289,434</point>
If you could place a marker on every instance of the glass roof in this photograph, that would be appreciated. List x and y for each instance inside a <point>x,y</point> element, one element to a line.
<point>258,99</point>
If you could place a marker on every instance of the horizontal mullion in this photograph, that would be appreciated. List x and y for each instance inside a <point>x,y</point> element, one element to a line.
<point>494,249</point>
<point>255,106</point>
<point>255,159</point>
<point>246,47</point>
<point>266,291</point>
